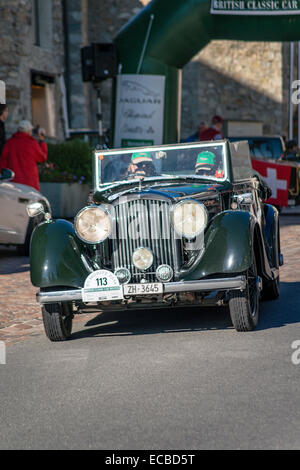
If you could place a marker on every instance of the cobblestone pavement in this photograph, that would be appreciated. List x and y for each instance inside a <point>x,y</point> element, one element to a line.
<point>20,315</point>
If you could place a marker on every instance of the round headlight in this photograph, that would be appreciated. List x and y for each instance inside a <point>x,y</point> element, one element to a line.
<point>142,258</point>
<point>93,224</point>
<point>189,218</point>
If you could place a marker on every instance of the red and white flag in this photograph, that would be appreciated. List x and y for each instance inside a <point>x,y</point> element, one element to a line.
<point>277,176</point>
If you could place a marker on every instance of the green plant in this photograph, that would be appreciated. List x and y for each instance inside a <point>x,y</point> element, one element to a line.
<point>68,162</point>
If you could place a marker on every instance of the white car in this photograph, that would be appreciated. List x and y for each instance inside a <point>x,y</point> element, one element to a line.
<point>15,225</point>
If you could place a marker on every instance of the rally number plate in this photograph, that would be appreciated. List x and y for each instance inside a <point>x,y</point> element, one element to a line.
<point>143,289</point>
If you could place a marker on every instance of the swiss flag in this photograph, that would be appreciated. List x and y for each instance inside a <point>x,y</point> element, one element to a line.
<point>277,176</point>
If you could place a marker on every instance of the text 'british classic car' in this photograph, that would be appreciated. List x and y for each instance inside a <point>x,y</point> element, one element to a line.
<point>173,225</point>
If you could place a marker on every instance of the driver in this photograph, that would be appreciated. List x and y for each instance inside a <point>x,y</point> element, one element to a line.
<point>206,164</point>
<point>141,165</point>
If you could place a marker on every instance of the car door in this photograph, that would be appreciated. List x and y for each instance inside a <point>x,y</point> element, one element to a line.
<point>13,215</point>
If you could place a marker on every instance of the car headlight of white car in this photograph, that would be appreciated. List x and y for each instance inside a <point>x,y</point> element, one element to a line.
<point>189,219</point>
<point>93,224</point>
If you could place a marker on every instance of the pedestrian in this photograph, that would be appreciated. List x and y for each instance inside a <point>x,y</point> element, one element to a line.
<point>213,132</point>
<point>196,136</point>
<point>3,117</point>
<point>291,153</point>
<point>22,152</point>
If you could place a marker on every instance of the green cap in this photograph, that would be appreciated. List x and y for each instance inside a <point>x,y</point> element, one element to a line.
<point>141,156</point>
<point>207,158</point>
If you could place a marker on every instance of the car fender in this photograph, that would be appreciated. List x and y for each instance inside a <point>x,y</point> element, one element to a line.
<point>229,245</point>
<point>57,256</point>
<point>271,234</point>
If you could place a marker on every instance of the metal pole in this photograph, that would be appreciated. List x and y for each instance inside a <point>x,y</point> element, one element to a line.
<point>292,51</point>
<point>145,44</point>
<point>99,117</point>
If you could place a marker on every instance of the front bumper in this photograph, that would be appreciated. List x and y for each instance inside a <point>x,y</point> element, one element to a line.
<point>206,285</point>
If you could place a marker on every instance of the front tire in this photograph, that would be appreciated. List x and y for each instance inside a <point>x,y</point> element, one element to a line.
<point>244,306</point>
<point>58,320</point>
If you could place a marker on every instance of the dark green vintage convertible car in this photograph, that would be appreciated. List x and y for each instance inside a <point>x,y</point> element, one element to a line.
<point>177,225</point>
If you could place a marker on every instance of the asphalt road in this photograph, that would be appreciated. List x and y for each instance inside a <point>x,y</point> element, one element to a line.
<point>168,379</point>
<point>158,380</point>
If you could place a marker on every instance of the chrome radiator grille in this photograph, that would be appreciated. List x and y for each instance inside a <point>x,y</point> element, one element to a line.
<point>144,223</point>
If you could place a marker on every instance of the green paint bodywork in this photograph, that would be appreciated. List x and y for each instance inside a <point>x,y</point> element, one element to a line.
<point>228,245</point>
<point>180,29</point>
<point>57,257</point>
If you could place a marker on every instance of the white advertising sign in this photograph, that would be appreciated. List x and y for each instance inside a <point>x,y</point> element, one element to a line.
<point>139,110</point>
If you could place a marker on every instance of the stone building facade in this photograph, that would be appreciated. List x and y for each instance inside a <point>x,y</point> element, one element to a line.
<point>32,62</point>
<point>246,82</point>
<point>241,81</point>
<point>40,42</point>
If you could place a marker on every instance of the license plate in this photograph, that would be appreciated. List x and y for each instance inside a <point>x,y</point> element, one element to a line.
<point>292,202</point>
<point>143,289</point>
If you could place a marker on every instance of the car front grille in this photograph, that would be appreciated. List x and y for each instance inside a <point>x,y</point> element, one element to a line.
<point>144,223</point>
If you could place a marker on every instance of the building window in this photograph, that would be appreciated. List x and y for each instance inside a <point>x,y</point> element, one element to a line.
<point>42,23</point>
<point>43,103</point>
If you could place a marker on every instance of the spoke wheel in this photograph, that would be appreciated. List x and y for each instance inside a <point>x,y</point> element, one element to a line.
<point>244,306</point>
<point>58,320</point>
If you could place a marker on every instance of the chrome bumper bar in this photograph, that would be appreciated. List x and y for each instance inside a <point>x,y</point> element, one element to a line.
<point>229,283</point>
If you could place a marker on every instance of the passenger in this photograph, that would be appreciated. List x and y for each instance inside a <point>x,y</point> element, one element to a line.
<point>196,136</point>
<point>141,165</point>
<point>215,131</point>
<point>291,151</point>
<point>206,164</point>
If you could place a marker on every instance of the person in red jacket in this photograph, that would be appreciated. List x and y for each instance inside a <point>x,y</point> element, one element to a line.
<point>213,132</point>
<point>22,152</point>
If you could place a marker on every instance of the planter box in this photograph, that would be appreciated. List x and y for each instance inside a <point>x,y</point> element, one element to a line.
<point>66,199</point>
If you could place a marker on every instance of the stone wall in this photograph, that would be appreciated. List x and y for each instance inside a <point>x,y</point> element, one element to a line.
<point>239,81</point>
<point>19,56</point>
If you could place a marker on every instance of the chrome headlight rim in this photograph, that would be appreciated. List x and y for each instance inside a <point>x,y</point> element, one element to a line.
<point>152,258</point>
<point>171,273</point>
<point>84,209</point>
<point>118,270</point>
<point>180,232</point>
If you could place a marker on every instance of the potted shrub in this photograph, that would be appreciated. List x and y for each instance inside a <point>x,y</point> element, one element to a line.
<point>66,177</point>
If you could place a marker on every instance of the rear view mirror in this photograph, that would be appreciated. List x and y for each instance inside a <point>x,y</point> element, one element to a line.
<point>6,175</point>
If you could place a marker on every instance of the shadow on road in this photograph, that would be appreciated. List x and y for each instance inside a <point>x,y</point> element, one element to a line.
<point>273,314</point>
<point>287,220</point>
<point>146,322</point>
<point>11,262</point>
<point>284,311</point>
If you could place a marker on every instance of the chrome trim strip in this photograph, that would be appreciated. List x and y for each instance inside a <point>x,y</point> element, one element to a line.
<point>58,296</point>
<point>230,283</point>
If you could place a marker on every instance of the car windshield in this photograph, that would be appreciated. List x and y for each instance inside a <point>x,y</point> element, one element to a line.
<point>200,161</point>
<point>269,147</point>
